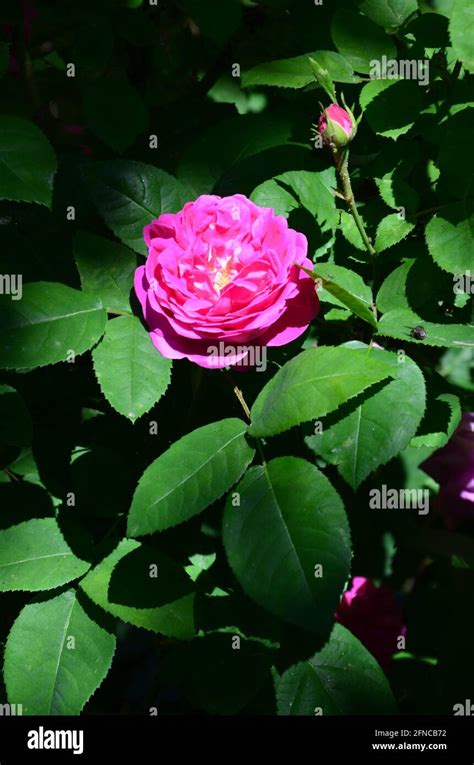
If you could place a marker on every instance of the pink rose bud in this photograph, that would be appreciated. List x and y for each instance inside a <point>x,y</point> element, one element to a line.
<point>336,126</point>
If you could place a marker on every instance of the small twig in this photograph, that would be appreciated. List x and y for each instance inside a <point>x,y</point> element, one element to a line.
<point>10,474</point>
<point>429,210</point>
<point>238,393</point>
<point>240,396</point>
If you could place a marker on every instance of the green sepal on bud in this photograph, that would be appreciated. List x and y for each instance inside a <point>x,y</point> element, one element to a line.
<point>323,78</point>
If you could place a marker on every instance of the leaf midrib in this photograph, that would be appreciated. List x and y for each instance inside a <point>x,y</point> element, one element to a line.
<point>332,376</point>
<point>52,319</point>
<point>190,475</point>
<point>30,181</point>
<point>106,185</point>
<point>356,444</point>
<point>293,547</point>
<point>61,651</point>
<point>39,557</point>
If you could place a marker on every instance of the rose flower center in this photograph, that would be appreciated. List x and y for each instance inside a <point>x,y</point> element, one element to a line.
<point>222,268</point>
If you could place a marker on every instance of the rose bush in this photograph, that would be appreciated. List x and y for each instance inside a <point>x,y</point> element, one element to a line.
<point>224,273</point>
<point>176,540</point>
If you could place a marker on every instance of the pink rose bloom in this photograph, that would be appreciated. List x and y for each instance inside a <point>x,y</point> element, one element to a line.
<point>453,468</point>
<point>336,125</point>
<point>220,275</point>
<point>372,615</point>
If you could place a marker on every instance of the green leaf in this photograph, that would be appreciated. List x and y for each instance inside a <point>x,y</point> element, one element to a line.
<point>227,90</point>
<point>272,194</point>
<point>450,238</point>
<point>106,268</point>
<point>393,292</point>
<point>47,324</point>
<point>114,112</point>
<point>297,72</point>
<point>350,231</point>
<point>399,322</point>
<point>132,374</point>
<point>390,170</point>
<point>27,162</point>
<point>35,556</point>
<point>414,281</point>
<point>342,679</point>
<point>336,314</point>
<point>56,656</point>
<point>391,106</point>
<point>348,288</point>
<point>189,476</point>
<point>457,366</point>
<point>461,32</point>
<point>389,14</point>
<point>129,195</point>
<point>396,193</point>
<point>359,40</point>
<point>16,428</point>
<point>288,541</point>
<point>391,230</point>
<point>442,418</point>
<point>379,428</point>
<point>226,143</point>
<point>313,384</point>
<point>125,585</point>
<point>313,191</point>
<point>198,564</point>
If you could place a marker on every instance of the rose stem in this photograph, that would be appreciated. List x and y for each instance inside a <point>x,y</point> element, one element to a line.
<point>342,164</point>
